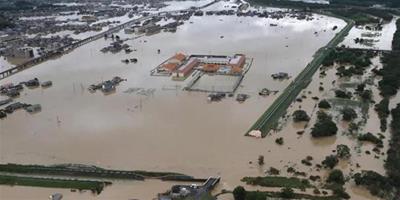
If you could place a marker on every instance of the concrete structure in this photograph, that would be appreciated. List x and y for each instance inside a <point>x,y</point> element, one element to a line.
<point>181,66</point>
<point>56,196</point>
<point>222,64</point>
<point>172,63</point>
<point>33,108</point>
<point>186,68</point>
<point>237,61</point>
<point>192,191</point>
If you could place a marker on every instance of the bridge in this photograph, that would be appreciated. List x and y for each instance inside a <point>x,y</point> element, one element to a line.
<point>68,48</point>
<point>210,183</point>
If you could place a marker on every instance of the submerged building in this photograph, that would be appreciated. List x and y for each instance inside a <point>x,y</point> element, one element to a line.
<point>186,69</point>
<point>180,66</point>
<point>170,65</point>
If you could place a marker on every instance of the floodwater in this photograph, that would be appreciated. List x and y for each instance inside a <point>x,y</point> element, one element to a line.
<point>172,130</point>
<point>321,147</point>
<point>127,188</point>
<point>383,41</point>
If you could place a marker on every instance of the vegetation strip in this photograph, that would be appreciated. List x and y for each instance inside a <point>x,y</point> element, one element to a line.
<point>392,164</point>
<point>278,181</point>
<point>270,117</point>
<point>240,193</point>
<point>94,186</point>
<point>89,171</point>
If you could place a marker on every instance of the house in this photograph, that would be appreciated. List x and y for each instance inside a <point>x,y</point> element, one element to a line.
<point>56,196</point>
<point>89,18</point>
<point>108,86</point>
<point>153,29</point>
<point>33,108</point>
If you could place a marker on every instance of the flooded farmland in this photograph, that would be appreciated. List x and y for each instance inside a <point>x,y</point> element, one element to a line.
<point>170,129</point>
<point>380,40</point>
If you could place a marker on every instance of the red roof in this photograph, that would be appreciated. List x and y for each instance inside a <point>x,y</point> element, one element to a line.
<point>170,66</point>
<point>188,67</point>
<point>179,56</point>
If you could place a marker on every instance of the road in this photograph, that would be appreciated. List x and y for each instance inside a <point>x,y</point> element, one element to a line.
<point>278,108</point>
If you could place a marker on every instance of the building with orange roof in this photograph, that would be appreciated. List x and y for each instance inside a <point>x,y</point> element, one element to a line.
<point>172,63</point>
<point>211,68</point>
<point>177,58</point>
<point>170,66</point>
<point>236,70</point>
<point>187,68</point>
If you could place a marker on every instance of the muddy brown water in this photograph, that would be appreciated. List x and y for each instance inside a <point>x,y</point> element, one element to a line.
<point>172,130</point>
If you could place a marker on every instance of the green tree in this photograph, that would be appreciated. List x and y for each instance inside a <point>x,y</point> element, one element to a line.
<point>239,193</point>
<point>324,104</point>
<point>261,160</point>
<point>300,116</point>
<point>336,176</point>
<point>343,151</point>
<point>324,126</point>
<point>287,193</point>
<point>330,161</point>
<point>349,114</point>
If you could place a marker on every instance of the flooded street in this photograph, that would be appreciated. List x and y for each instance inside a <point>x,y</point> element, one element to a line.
<point>171,130</point>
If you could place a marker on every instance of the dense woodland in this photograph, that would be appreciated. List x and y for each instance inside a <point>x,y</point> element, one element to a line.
<point>392,164</point>
<point>393,160</point>
<point>334,3</point>
<point>388,3</point>
<point>390,83</point>
<point>5,23</point>
<point>396,38</point>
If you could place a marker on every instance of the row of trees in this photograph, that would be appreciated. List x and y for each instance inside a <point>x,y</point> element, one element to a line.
<point>396,37</point>
<point>390,72</point>
<point>392,164</point>
<point>333,4</point>
<point>5,23</point>
<point>357,58</point>
<point>239,193</point>
<point>366,3</point>
<point>377,184</point>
